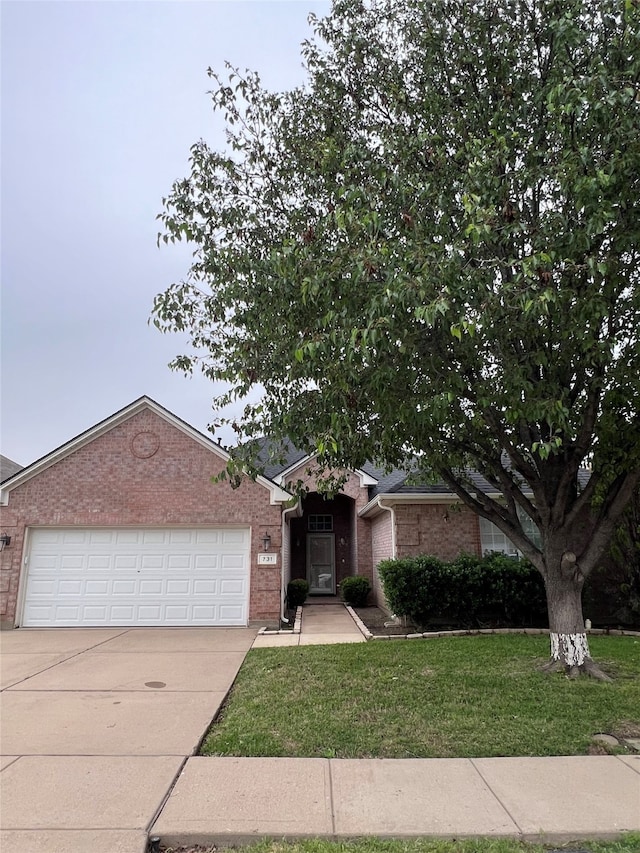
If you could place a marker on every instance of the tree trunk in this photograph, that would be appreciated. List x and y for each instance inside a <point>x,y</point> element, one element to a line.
<point>569,644</point>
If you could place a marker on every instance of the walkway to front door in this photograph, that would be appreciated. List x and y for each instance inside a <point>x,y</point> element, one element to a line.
<point>322,624</point>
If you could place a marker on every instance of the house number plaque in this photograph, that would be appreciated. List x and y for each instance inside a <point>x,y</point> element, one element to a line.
<point>267,559</point>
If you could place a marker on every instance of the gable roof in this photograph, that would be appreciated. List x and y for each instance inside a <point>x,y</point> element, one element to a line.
<point>290,458</point>
<point>278,495</point>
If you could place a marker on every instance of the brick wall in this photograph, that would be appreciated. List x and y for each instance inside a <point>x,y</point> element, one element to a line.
<point>382,549</point>
<point>144,471</point>
<point>437,529</point>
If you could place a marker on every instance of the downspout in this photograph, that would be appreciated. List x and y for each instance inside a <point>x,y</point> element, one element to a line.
<point>390,509</point>
<point>292,509</point>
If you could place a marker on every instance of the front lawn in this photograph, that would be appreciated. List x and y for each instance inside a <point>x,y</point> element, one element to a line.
<point>459,697</point>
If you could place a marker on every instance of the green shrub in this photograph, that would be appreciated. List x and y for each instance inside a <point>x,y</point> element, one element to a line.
<point>470,591</point>
<point>355,590</point>
<point>297,591</point>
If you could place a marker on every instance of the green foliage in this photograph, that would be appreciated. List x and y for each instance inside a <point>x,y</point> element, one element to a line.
<point>469,591</point>
<point>297,592</point>
<point>355,590</point>
<point>432,249</point>
<point>612,592</point>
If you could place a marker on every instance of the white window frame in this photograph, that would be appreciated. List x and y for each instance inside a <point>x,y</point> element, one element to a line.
<point>493,539</point>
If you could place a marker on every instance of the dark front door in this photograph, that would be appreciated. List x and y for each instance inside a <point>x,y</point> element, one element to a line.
<point>321,563</point>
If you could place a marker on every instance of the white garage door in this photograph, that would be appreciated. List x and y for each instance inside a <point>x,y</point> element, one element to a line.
<point>142,576</point>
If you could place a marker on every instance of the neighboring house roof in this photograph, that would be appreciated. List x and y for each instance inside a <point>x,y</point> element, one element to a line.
<point>278,495</point>
<point>8,468</point>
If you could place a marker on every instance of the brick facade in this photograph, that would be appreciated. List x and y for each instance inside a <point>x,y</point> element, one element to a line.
<point>439,529</point>
<point>122,478</point>
<point>382,548</point>
<point>141,468</point>
<point>442,530</point>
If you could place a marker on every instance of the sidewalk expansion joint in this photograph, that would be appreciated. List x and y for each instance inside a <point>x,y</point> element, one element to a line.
<point>163,801</point>
<point>333,810</point>
<point>497,798</point>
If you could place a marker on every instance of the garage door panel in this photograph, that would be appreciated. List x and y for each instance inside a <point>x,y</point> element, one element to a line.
<point>96,587</point>
<point>44,563</point>
<point>234,537</point>
<point>98,562</point>
<point>123,587</point>
<point>137,577</point>
<point>99,537</point>
<point>44,588</point>
<point>229,586</point>
<point>95,613</point>
<point>71,587</point>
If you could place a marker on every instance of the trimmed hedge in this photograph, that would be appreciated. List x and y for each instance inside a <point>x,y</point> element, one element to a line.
<point>297,591</point>
<point>355,590</point>
<point>469,592</point>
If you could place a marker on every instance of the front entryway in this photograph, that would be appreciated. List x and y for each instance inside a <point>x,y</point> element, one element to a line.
<point>321,563</point>
<point>322,542</point>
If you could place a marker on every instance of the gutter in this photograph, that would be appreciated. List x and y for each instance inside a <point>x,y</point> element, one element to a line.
<point>394,498</point>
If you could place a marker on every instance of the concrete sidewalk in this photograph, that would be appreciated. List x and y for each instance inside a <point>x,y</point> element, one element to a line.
<point>227,801</point>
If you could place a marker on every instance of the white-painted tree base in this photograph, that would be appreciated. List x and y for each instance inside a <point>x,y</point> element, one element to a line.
<point>570,649</point>
<point>570,654</point>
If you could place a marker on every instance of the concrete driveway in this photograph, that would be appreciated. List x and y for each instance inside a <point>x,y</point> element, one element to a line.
<point>96,725</point>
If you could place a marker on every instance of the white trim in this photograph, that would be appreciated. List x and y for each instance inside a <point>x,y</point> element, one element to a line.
<point>374,506</point>
<point>365,479</point>
<point>278,495</point>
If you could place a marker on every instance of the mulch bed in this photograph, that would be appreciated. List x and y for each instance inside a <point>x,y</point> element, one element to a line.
<point>375,619</point>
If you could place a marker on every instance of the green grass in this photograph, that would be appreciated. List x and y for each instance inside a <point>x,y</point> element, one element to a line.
<point>630,843</point>
<point>458,697</point>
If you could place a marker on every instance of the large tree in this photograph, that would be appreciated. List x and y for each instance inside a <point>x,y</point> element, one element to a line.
<point>430,250</point>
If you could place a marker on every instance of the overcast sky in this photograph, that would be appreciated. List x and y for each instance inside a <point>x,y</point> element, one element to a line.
<point>101,100</point>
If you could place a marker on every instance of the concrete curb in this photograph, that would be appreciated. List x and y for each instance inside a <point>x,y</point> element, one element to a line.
<point>297,627</point>
<point>433,635</point>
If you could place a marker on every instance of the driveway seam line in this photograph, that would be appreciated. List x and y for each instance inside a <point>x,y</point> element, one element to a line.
<point>64,660</point>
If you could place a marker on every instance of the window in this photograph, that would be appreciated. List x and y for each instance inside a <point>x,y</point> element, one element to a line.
<point>493,539</point>
<point>320,523</point>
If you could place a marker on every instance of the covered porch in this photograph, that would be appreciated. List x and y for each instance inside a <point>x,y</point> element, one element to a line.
<point>323,544</point>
